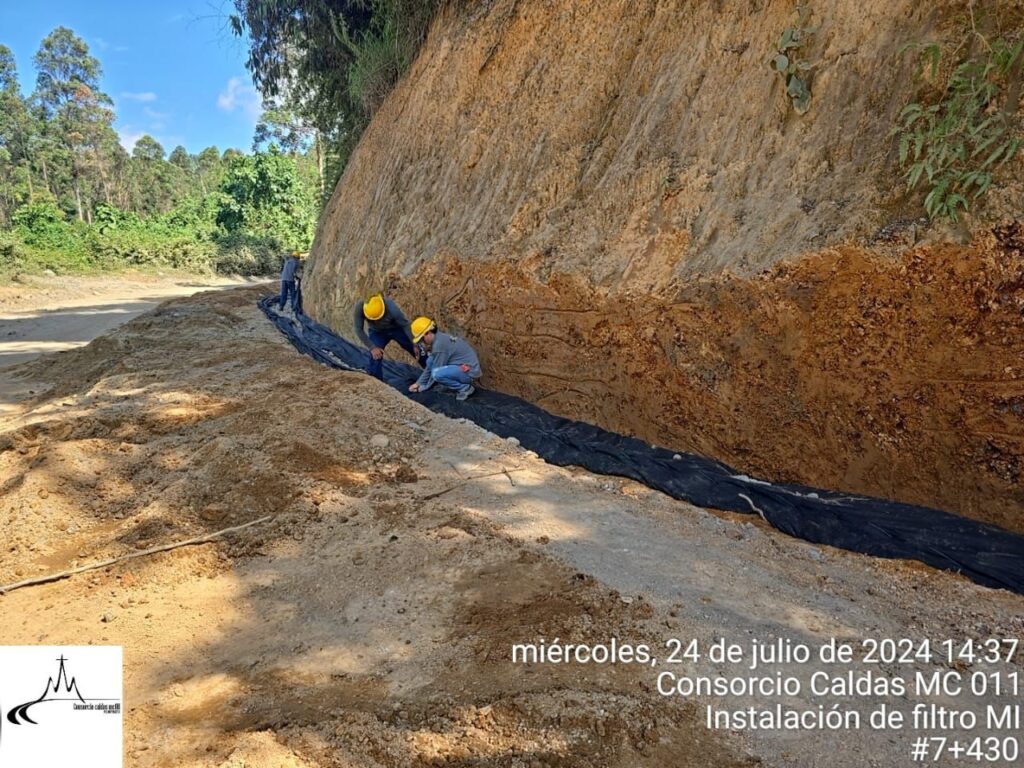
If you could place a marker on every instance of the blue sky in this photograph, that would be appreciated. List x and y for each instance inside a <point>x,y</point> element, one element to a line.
<point>174,70</point>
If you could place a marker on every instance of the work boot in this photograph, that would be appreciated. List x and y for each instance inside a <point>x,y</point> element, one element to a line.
<point>465,392</point>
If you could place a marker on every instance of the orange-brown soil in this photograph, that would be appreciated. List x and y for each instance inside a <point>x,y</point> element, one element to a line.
<point>897,377</point>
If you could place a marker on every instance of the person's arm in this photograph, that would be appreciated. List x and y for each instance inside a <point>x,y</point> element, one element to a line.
<point>359,324</point>
<point>426,379</point>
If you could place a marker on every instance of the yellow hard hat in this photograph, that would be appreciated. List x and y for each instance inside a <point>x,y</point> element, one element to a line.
<point>373,307</point>
<point>297,254</point>
<point>421,326</point>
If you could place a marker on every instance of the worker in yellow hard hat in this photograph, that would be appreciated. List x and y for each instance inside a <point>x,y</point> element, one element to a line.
<point>378,321</point>
<point>451,361</point>
<point>291,273</point>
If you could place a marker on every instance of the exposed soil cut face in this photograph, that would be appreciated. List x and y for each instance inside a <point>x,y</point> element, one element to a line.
<point>899,378</point>
<point>634,142</point>
<point>615,202</point>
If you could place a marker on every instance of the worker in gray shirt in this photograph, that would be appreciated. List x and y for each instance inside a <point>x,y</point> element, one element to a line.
<point>386,323</point>
<point>291,272</point>
<point>452,362</point>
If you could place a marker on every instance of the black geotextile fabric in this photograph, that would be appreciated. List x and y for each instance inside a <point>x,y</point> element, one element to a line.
<point>986,554</point>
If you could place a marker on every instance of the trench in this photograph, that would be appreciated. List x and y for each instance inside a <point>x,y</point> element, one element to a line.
<point>987,554</point>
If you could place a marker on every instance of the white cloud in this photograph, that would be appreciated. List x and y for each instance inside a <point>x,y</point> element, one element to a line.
<point>128,136</point>
<point>239,95</point>
<point>142,96</point>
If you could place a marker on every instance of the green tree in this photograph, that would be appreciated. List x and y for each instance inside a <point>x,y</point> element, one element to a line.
<point>182,173</point>
<point>8,70</point>
<point>121,170</point>
<point>8,186</point>
<point>64,66</point>
<point>265,194</point>
<point>60,159</point>
<point>153,180</point>
<point>330,63</point>
<point>283,127</point>
<point>180,157</point>
<point>77,113</point>
<point>19,141</point>
<point>182,160</point>
<point>13,115</point>
<point>208,169</point>
<point>148,150</point>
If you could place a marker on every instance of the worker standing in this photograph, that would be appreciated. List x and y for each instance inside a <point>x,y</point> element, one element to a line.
<point>451,362</point>
<point>386,323</point>
<point>289,290</point>
<point>299,275</point>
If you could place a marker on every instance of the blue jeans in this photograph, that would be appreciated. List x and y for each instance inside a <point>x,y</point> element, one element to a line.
<point>289,295</point>
<point>452,376</point>
<point>380,339</point>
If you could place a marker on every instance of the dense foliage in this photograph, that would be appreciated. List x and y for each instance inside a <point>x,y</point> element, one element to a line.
<point>72,198</point>
<point>328,64</point>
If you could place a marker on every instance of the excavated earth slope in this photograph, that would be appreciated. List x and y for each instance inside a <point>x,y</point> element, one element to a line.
<point>616,204</point>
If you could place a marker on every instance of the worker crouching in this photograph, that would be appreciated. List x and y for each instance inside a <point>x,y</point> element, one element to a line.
<point>379,321</point>
<point>451,361</point>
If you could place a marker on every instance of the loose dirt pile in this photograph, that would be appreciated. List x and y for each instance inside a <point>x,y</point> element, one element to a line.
<point>371,622</point>
<point>40,314</point>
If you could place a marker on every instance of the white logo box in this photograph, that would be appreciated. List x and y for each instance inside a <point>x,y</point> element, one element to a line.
<point>61,705</point>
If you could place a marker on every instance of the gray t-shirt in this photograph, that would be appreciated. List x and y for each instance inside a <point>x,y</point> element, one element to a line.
<point>449,350</point>
<point>288,272</point>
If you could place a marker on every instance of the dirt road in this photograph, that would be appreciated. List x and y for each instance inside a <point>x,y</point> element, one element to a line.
<point>371,621</point>
<point>60,313</point>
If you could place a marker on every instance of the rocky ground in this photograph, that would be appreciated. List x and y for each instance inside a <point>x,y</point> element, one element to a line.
<point>370,621</point>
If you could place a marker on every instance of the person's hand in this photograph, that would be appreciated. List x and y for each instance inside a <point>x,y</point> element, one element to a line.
<point>414,387</point>
<point>376,353</point>
<point>465,368</point>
